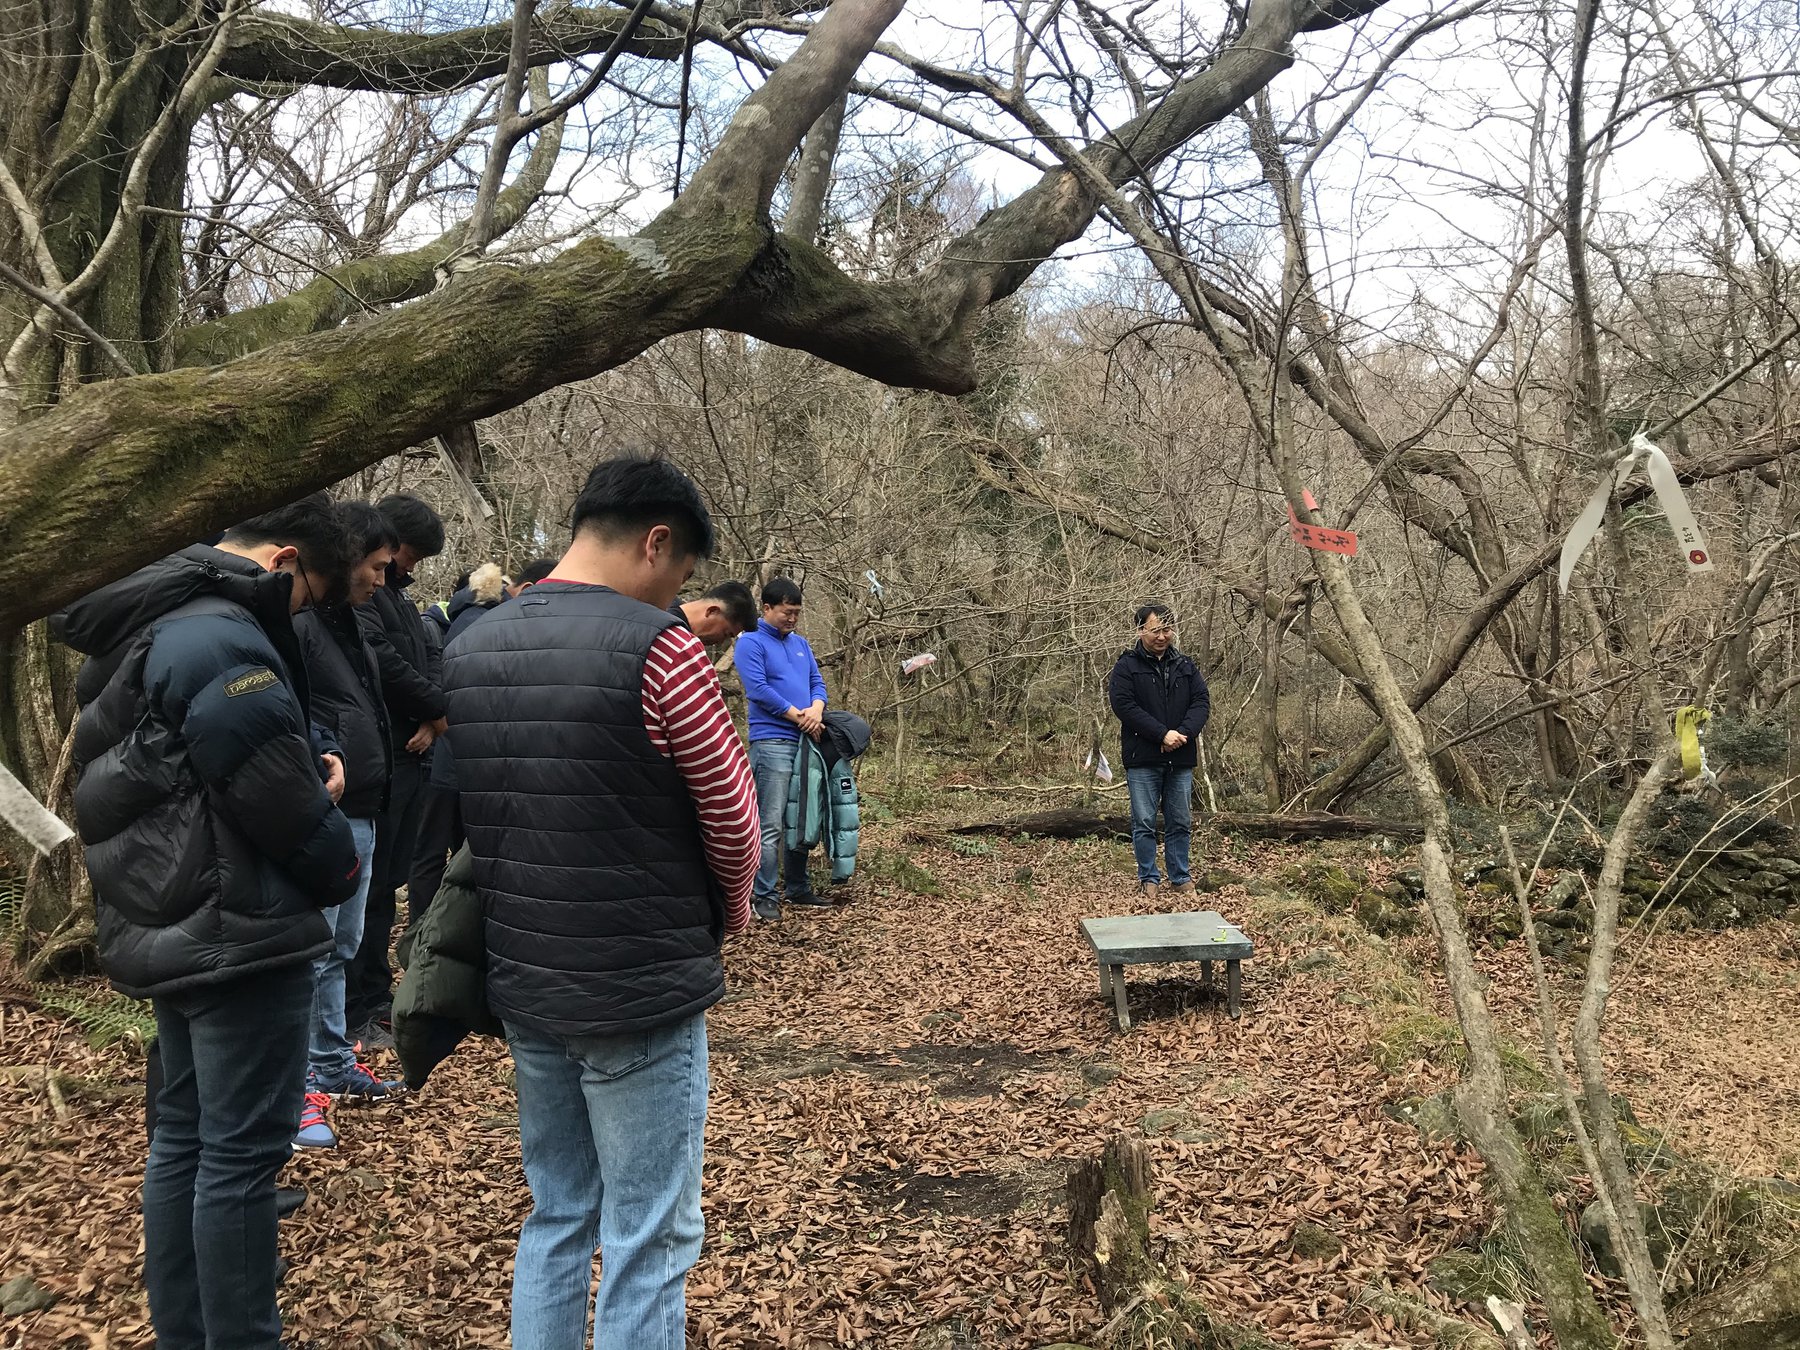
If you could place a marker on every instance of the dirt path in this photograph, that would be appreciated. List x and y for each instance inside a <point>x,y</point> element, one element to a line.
<point>899,1088</point>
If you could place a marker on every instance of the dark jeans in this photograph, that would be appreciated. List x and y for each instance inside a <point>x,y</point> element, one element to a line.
<point>369,979</point>
<point>440,835</point>
<point>234,1068</point>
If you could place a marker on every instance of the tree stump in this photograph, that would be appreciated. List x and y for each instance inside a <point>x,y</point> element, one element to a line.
<point>1109,1219</point>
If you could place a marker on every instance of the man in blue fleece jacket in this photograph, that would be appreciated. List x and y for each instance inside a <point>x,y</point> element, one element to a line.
<point>786,695</point>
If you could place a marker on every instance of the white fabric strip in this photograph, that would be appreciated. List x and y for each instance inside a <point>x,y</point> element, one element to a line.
<point>39,828</point>
<point>1669,496</point>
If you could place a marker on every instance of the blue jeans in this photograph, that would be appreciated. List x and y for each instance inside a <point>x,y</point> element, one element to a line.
<point>1169,789</point>
<point>772,766</point>
<point>333,1057</point>
<point>234,1057</point>
<point>613,1129</point>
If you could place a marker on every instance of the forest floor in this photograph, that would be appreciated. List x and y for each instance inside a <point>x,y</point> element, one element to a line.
<point>899,1088</point>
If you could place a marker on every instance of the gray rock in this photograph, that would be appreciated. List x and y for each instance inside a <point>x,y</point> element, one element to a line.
<point>1599,1240</point>
<point>937,1019</point>
<point>21,1294</point>
<point>1100,1073</point>
<point>1756,1311</point>
<point>1434,1116</point>
<point>1166,1120</point>
<point>1565,892</point>
<point>1320,958</point>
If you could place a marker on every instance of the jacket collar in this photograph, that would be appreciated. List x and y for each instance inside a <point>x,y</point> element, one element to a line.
<point>99,623</point>
<point>764,626</point>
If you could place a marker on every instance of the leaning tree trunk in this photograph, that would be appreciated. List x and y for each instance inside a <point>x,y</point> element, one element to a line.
<point>76,119</point>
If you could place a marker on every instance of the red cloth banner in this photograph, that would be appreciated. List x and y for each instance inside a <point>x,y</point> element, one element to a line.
<point>1317,536</point>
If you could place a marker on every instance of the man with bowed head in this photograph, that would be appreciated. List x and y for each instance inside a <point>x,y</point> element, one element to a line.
<point>786,694</point>
<point>1160,699</point>
<point>613,829</point>
<point>213,845</point>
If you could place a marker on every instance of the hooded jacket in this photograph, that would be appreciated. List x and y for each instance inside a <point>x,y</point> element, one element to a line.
<point>210,840</point>
<point>1153,696</point>
<point>347,703</point>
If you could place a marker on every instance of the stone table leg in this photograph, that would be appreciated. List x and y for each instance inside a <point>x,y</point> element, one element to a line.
<point>1234,989</point>
<point>1121,1014</point>
<point>1206,976</point>
<point>1106,982</point>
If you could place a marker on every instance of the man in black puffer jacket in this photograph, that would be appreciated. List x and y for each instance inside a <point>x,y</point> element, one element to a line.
<point>1160,699</point>
<point>412,686</point>
<point>212,844</point>
<point>347,703</point>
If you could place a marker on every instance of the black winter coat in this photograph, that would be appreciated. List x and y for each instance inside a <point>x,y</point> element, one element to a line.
<point>463,610</point>
<point>210,840</point>
<point>1153,697</point>
<point>411,664</point>
<point>346,701</point>
<point>602,915</point>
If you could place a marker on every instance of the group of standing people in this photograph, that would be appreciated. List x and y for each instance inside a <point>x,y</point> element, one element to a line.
<point>274,740</point>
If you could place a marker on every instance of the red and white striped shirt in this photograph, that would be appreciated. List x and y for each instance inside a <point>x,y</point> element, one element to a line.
<point>685,714</point>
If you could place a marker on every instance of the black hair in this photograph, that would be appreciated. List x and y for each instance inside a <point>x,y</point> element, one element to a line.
<point>311,525</point>
<point>780,591</point>
<point>416,524</point>
<point>632,493</point>
<point>365,529</point>
<point>740,606</point>
<point>535,571</point>
<point>1161,611</point>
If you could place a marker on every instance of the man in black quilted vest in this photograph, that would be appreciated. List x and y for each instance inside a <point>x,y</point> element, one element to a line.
<point>612,823</point>
<point>213,844</point>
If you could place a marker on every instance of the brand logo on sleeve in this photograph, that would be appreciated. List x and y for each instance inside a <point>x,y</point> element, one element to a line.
<point>254,682</point>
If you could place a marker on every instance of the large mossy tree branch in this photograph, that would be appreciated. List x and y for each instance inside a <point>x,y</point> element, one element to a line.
<point>282,49</point>
<point>151,463</point>
<point>148,464</point>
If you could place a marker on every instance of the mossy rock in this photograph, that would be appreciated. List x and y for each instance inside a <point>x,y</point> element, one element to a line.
<point>1211,879</point>
<point>1471,1275</point>
<point>1384,918</point>
<point>1759,1310</point>
<point>1434,1116</point>
<point>1315,1240</point>
<point>1336,890</point>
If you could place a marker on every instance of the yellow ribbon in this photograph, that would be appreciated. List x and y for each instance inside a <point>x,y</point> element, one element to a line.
<point>1688,722</point>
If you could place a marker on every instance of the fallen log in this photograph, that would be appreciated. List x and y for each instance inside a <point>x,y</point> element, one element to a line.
<point>1074,822</point>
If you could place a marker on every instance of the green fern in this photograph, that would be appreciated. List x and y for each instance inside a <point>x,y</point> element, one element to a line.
<point>107,1019</point>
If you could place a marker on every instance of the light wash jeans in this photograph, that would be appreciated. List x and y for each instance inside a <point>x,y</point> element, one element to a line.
<point>772,768</point>
<point>332,1057</point>
<point>1169,789</point>
<point>613,1131</point>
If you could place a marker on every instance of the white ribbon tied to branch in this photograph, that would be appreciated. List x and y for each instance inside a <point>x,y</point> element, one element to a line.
<point>19,809</point>
<point>1669,496</point>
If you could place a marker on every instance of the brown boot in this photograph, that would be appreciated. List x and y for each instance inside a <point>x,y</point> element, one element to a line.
<point>1149,889</point>
<point>1185,888</point>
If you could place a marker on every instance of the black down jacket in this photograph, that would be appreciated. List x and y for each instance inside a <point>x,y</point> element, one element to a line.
<point>602,916</point>
<point>210,840</point>
<point>411,662</point>
<point>346,701</point>
<point>1153,696</point>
